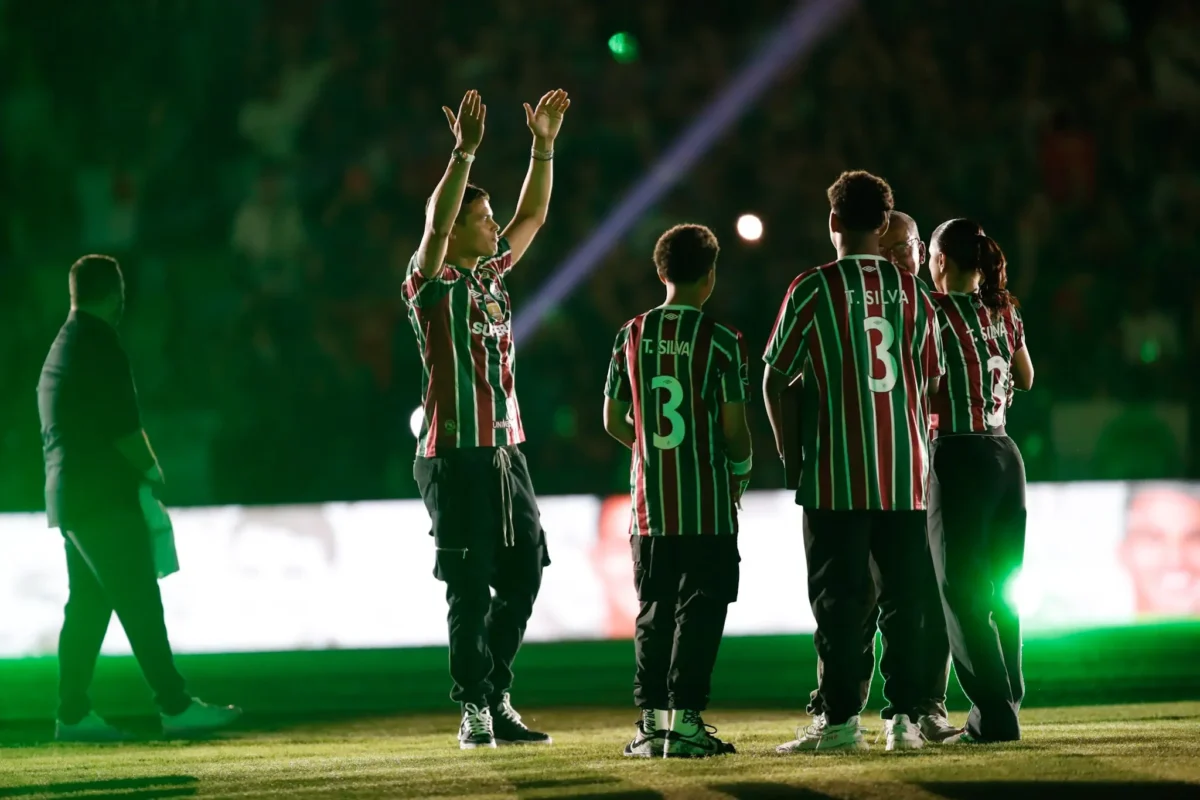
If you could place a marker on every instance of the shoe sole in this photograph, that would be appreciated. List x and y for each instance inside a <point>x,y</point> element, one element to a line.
<point>860,747</point>
<point>520,742</point>
<point>651,754</point>
<point>476,746</point>
<point>906,747</point>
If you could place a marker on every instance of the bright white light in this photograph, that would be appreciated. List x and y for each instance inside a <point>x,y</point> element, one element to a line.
<point>1022,593</point>
<point>414,422</point>
<point>749,227</point>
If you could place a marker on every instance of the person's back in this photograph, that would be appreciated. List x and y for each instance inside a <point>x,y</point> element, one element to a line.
<point>87,404</point>
<point>676,396</point>
<point>861,334</point>
<point>977,484</point>
<point>980,346</point>
<point>682,366</point>
<point>100,470</point>
<point>864,332</point>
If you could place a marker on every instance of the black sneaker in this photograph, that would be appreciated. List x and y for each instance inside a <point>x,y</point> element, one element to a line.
<point>509,729</point>
<point>476,728</point>
<point>647,742</point>
<point>694,739</point>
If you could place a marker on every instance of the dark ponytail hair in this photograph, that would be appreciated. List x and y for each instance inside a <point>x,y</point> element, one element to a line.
<point>964,242</point>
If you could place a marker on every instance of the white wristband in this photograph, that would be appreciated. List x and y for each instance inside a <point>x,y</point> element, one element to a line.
<point>742,467</point>
<point>541,155</point>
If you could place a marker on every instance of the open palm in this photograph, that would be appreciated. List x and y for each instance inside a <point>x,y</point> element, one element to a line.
<point>545,120</point>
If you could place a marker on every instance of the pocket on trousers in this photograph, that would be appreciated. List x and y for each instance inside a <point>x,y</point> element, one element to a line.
<point>452,564</point>
<point>716,567</point>
<point>646,580</point>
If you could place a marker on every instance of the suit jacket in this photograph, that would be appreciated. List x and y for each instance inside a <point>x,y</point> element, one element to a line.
<point>87,401</point>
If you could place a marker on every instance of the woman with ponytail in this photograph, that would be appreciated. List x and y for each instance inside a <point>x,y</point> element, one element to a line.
<point>977,485</point>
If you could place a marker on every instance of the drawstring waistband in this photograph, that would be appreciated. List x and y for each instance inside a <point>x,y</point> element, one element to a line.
<point>503,462</point>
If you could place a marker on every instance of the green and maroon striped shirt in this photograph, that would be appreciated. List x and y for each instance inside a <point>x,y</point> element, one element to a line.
<point>675,365</point>
<point>977,391</point>
<point>864,336</point>
<point>463,322</point>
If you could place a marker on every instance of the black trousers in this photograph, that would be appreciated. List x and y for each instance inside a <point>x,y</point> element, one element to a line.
<point>684,586</point>
<point>977,536</point>
<point>851,555</point>
<point>936,674</point>
<point>471,495</point>
<point>110,567</point>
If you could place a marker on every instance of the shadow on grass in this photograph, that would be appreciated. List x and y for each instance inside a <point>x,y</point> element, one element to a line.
<point>768,791</point>
<point>137,788</point>
<point>1063,790</point>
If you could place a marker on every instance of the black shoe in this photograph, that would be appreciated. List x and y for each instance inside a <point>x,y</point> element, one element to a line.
<point>508,727</point>
<point>476,728</point>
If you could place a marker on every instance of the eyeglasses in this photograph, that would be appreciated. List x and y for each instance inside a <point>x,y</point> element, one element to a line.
<point>899,248</point>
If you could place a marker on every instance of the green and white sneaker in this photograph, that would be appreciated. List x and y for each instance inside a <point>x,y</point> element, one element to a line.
<point>199,718</point>
<point>89,729</point>
<point>822,737</point>
<point>690,737</point>
<point>962,738</point>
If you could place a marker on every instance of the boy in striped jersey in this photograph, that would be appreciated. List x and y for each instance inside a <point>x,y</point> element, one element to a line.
<point>471,473</point>
<point>862,334</point>
<point>676,395</point>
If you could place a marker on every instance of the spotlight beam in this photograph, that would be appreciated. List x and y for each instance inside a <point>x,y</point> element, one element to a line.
<point>799,31</point>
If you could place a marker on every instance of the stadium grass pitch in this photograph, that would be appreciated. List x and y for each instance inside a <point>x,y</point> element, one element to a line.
<point>1086,752</point>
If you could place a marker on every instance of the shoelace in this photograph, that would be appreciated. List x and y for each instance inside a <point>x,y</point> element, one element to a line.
<point>509,713</point>
<point>479,720</point>
<point>503,462</point>
<point>817,728</point>
<point>939,721</point>
<point>694,718</point>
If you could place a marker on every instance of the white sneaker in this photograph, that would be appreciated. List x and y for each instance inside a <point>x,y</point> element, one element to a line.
<point>199,717</point>
<point>902,734</point>
<point>650,740</point>
<point>937,729</point>
<point>823,737</point>
<point>476,729</point>
<point>89,729</point>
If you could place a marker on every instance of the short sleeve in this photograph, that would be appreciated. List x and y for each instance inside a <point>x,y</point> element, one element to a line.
<point>502,262</point>
<point>935,352</point>
<point>1018,331</point>
<point>618,386</point>
<point>421,291</point>
<point>735,378</point>
<point>785,350</point>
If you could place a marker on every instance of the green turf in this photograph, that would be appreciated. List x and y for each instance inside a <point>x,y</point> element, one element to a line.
<point>1146,663</point>
<point>1142,751</point>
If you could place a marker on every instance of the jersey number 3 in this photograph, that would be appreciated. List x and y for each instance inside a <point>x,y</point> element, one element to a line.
<point>998,365</point>
<point>883,354</point>
<point>676,427</point>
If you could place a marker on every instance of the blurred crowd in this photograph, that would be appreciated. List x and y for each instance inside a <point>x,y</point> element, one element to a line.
<point>260,168</point>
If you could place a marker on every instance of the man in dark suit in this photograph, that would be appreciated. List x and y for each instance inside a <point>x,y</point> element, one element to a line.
<point>97,458</point>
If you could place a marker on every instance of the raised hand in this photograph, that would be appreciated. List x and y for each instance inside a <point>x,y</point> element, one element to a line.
<point>545,120</point>
<point>467,126</point>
